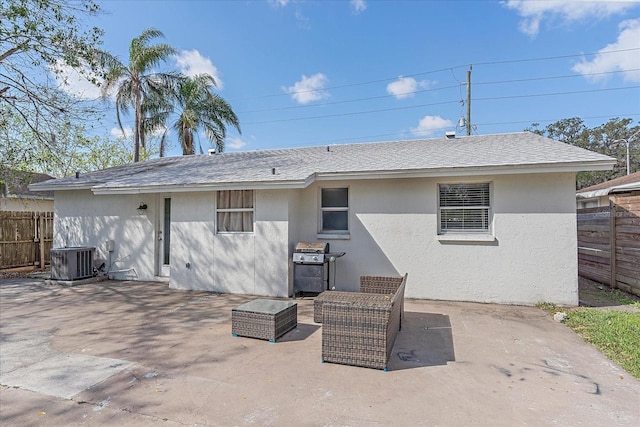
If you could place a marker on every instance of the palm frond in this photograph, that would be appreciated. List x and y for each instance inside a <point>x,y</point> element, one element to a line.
<point>197,107</point>
<point>150,56</point>
<point>149,34</point>
<point>139,88</point>
<point>120,121</point>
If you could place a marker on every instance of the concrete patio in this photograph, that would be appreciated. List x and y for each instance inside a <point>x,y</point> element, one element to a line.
<point>138,353</point>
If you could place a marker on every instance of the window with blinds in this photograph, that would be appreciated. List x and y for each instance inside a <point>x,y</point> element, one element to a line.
<point>464,207</point>
<point>234,211</point>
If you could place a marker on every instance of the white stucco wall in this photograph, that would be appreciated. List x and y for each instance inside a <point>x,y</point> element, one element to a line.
<point>394,227</point>
<point>252,263</point>
<point>82,219</point>
<point>272,243</point>
<point>17,204</point>
<point>192,244</point>
<point>246,263</point>
<point>393,230</point>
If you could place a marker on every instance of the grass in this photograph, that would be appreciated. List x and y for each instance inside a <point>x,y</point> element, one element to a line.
<point>616,333</point>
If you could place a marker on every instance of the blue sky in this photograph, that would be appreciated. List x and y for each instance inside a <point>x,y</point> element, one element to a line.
<point>302,73</point>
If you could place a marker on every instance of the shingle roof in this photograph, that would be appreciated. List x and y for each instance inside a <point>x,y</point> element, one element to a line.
<point>623,180</point>
<point>517,152</point>
<point>15,183</point>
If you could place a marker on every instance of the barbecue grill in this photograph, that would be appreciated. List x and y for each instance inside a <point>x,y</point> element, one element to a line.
<point>311,265</point>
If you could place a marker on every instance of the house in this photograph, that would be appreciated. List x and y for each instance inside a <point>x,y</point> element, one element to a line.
<point>488,218</point>
<point>16,196</point>
<point>598,195</point>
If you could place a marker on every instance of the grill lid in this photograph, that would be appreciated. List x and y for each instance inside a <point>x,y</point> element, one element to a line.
<point>312,247</point>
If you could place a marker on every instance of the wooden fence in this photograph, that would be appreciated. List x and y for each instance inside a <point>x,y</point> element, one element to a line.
<point>609,243</point>
<point>25,238</point>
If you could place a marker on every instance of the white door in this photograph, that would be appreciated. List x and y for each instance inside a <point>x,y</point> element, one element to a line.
<point>164,236</point>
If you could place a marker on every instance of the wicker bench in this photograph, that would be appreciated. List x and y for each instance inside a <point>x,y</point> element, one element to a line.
<point>372,288</point>
<point>360,329</point>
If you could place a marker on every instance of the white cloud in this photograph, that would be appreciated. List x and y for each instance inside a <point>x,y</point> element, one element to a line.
<point>309,88</point>
<point>235,143</point>
<point>429,124</point>
<point>281,3</point>
<point>117,132</point>
<point>191,63</point>
<point>302,21</point>
<point>128,132</point>
<point>617,61</point>
<point>534,11</point>
<point>405,87</point>
<point>358,6</point>
<point>74,82</point>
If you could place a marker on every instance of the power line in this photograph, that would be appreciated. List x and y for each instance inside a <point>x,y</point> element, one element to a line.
<point>566,76</point>
<point>555,120</point>
<point>555,93</point>
<point>352,113</point>
<point>459,85</point>
<point>346,101</point>
<point>548,58</point>
<point>349,85</point>
<point>479,124</point>
<point>439,103</point>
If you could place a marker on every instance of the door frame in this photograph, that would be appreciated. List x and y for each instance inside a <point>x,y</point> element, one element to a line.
<point>161,236</point>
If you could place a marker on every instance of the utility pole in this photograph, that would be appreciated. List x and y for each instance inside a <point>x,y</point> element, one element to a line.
<point>627,143</point>
<point>469,100</point>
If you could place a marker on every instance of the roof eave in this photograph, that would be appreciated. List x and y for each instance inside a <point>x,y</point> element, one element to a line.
<point>592,194</point>
<point>179,188</point>
<point>472,170</point>
<point>61,187</point>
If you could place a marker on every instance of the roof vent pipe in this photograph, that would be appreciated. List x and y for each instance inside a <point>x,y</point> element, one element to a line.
<point>273,171</point>
<point>450,135</point>
<point>77,174</point>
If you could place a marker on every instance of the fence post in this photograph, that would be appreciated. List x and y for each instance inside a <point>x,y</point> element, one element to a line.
<point>41,238</point>
<point>612,223</point>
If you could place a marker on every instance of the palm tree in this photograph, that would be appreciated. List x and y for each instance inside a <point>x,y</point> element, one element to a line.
<point>198,107</point>
<point>137,81</point>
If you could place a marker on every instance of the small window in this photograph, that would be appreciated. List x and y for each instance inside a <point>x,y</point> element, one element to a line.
<point>464,208</point>
<point>234,211</point>
<point>334,210</point>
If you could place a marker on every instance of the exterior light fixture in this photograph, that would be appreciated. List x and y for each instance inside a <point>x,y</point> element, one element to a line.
<point>142,208</point>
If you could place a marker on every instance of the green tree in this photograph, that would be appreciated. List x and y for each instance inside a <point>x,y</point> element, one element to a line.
<point>603,139</point>
<point>38,39</point>
<point>75,151</point>
<point>198,107</point>
<point>137,82</point>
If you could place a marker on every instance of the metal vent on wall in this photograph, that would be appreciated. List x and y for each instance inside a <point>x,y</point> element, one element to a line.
<point>72,263</point>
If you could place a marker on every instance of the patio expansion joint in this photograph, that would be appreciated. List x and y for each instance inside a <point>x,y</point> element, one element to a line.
<point>28,362</point>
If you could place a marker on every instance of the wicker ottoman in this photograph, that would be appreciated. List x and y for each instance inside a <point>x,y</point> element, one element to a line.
<point>264,319</point>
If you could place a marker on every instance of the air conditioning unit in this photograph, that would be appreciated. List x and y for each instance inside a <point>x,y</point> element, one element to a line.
<point>72,263</point>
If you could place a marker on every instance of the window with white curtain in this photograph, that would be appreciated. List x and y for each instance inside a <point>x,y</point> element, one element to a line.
<point>234,211</point>
<point>464,208</point>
